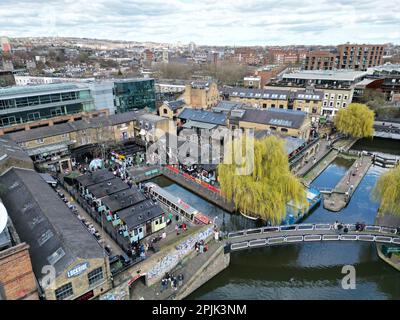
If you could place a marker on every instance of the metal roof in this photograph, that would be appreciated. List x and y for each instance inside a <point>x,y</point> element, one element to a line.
<point>338,75</point>
<point>39,89</point>
<point>201,125</point>
<point>203,116</point>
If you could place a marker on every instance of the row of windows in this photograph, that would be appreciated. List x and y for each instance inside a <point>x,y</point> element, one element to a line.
<point>37,100</point>
<point>66,290</point>
<point>339,96</point>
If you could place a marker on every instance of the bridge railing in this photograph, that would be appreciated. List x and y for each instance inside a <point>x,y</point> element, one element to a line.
<point>313,238</point>
<point>309,227</point>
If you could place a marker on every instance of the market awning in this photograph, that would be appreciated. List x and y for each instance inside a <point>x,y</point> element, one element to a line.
<point>201,125</point>
<point>58,147</point>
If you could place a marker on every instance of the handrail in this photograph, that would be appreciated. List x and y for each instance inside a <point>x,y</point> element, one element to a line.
<point>310,227</point>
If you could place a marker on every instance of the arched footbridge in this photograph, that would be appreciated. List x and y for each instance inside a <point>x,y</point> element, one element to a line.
<point>288,234</point>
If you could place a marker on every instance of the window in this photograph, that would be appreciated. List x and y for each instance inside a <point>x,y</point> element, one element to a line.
<point>40,141</point>
<point>165,111</point>
<point>95,276</point>
<point>64,292</point>
<point>284,130</point>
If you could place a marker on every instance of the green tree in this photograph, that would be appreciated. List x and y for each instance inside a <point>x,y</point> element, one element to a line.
<point>357,120</point>
<point>265,192</point>
<point>387,191</point>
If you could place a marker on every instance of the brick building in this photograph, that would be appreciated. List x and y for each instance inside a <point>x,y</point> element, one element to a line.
<point>201,94</point>
<point>320,60</point>
<point>359,56</point>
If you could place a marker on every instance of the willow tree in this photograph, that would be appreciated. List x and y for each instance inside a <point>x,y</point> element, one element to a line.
<point>387,191</point>
<point>357,120</point>
<point>266,191</point>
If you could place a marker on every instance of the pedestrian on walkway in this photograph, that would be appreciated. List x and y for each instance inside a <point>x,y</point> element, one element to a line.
<point>180,279</point>
<point>163,285</point>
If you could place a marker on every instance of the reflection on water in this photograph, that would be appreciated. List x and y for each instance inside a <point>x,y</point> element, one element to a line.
<point>302,271</point>
<point>330,177</point>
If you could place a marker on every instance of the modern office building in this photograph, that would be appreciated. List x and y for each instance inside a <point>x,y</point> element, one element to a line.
<point>131,94</point>
<point>36,105</point>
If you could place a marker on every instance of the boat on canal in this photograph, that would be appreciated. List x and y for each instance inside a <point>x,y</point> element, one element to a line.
<point>175,204</point>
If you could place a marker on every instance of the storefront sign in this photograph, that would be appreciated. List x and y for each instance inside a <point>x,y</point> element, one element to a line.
<point>76,271</point>
<point>86,296</point>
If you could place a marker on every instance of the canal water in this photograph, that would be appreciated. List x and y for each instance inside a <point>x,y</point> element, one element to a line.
<point>309,270</point>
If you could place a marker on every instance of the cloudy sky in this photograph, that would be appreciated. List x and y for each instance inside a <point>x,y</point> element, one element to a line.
<point>219,22</point>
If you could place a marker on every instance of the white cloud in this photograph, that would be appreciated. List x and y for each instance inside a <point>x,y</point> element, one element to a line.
<point>222,22</point>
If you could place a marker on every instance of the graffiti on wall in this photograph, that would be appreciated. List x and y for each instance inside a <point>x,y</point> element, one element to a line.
<point>181,250</point>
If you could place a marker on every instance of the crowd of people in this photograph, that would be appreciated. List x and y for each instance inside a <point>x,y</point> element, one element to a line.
<point>339,226</point>
<point>171,280</point>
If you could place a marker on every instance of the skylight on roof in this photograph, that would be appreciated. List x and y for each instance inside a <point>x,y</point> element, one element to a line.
<point>56,256</point>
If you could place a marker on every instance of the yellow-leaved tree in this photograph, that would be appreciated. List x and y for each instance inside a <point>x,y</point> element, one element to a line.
<point>357,120</point>
<point>387,191</point>
<point>266,191</point>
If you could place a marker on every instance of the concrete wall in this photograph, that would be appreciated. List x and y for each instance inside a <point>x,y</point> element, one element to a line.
<point>215,264</point>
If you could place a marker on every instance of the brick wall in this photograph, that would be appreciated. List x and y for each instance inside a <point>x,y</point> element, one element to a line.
<point>17,280</point>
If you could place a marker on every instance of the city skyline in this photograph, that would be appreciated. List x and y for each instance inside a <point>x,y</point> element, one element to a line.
<point>245,23</point>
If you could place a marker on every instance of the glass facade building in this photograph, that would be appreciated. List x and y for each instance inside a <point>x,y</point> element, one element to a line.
<point>32,103</point>
<point>133,94</point>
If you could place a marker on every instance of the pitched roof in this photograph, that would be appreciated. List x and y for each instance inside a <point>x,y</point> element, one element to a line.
<point>203,116</point>
<point>174,105</point>
<point>123,199</point>
<point>140,213</point>
<point>95,177</point>
<point>43,221</point>
<point>107,188</point>
<point>256,93</point>
<point>63,128</point>
<point>276,117</point>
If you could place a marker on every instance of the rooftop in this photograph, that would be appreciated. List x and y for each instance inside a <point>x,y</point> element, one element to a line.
<point>338,75</point>
<point>43,221</point>
<point>140,213</point>
<point>95,177</point>
<point>203,116</point>
<point>275,117</point>
<point>38,89</point>
<point>123,199</point>
<point>107,188</point>
<point>226,106</point>
<point>256,93</point>
<point>63,128</point>
<point>174,105</point>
